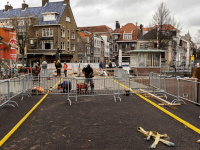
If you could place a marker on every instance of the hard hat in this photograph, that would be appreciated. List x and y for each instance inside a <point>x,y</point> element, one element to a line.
<point>54,61</point>
<point>109,61</point>
<point>64,62</point>
<point>58,60</point>
<point>86,64</point>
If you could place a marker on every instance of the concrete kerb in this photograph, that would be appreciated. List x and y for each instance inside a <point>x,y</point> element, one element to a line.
<point>24,118</point>
<point>164,110</point>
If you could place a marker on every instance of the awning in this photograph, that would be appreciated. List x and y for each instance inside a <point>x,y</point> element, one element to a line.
<point>147,50</point>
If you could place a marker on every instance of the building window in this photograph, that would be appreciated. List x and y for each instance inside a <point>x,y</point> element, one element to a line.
<point>73,35</point>
<point>67,19</point>
<point>47,44</point>
<point>63,33</point>
<point>146,45</point>
<point>115,48</point>
<point>88,59</point>
<point>155,45</point>
<point>127,36</point>
<point>123,47</point>
<point>48,32</point>
<point>88,50</point>
<point>49,17</point>
<point>31,41</point>
<point>73,47</point>
<point>20,22</point>
<point>91,59</point>
<point>68,34</point>
<point>37,34</point>
<point>132,46</point>
<point>62,46</point>
<point>68,48</point>
<point>141,46</point>
<point>115,37</point>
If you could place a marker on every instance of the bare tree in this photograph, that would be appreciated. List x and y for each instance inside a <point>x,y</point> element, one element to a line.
<point>168,26</point>
<point>197,39</point>
<point>24,27</point>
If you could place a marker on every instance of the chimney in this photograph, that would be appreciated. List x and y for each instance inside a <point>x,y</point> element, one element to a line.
<point>7,7</point>
<point>141,28</point>
<point>117,25</point>
<point>67,2</point>
<point>44,2</point>
<point>24,5</point>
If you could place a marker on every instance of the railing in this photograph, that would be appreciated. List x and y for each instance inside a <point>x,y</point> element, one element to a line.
<point>122,74</point>
<point>78,87</point>
<point>13,87</point>
<point>181,88</point>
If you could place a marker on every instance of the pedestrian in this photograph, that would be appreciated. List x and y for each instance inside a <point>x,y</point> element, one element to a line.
<point>37,69</point>
<point>58,67</point>
<point>88,72</point>
<point>65,69</point>
<point>110,64</point>
<point>101,68</point>
<point>30,69</point>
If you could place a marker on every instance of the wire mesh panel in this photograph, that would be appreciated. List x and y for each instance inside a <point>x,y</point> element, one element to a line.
<point>98,86</point>
<point>139,84</point>
<point>4,92</point>
<point>188,90</point>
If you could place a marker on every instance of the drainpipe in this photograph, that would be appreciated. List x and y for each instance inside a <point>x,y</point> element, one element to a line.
<point>58,44</point>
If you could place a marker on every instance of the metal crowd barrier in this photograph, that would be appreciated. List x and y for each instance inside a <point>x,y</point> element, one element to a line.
<point>181,88</point>
<point>122,74</point>
<point>46,72</point>
<point>14,87</point>
<point>78,87</point>
<point>139,84</point>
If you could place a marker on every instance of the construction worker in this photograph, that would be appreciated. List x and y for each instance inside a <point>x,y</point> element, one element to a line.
<point>88,72</point>
<point>101,68</point>
<point>58,67</point>
<point>65,69</point>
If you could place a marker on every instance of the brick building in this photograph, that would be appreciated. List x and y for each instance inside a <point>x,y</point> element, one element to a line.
<point>54,29</point>
<point>101,47</point>
<point>125,38</point>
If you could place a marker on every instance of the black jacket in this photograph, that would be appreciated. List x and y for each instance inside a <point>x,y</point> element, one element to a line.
<point>58,65</point>
<point>88,71</point>
<point>110,65</point>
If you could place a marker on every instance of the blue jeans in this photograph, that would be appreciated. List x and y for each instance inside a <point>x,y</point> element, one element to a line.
<point>65,72</point>
<point>101,71</point>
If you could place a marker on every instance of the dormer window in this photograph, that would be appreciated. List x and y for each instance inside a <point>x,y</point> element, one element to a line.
<point>127,36</point>
<point>50,16</point>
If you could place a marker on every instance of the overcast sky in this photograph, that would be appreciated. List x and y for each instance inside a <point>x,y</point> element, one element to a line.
<point>106,12</point>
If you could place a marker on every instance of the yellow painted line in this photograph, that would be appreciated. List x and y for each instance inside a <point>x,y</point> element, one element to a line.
<point>24,118</point>
<point>167,112</point>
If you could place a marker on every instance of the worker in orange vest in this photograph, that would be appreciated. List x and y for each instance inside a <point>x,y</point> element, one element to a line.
<point>65,69</point>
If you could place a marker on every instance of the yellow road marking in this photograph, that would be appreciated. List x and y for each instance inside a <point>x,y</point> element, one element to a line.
<point>165,111</point>
<point>24,118</point>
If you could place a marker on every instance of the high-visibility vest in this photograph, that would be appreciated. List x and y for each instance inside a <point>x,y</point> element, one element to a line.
<point>65,66</point>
